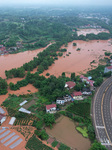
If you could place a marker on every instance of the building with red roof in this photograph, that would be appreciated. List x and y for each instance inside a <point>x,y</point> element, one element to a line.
<point>77,95</point>
<point>51,108</point>
<point>88,81</point>
<point>70,84</point>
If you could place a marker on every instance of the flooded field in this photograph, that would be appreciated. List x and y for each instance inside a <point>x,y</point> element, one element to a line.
<point>23,90</point>
<point>88,31</point>
<point>79,61</point>
<point>65,132</point>
<point>10,61</point>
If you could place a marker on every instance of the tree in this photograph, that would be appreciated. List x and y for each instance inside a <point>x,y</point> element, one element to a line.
<point>97,146</point>
<point>73,76</point>
<point>49,119</point>
<point>3,86</point>
<point>63,74</point>
<point>74,44</point>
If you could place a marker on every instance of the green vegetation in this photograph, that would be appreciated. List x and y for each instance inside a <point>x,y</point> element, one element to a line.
<point>18,84</point>
<point>35,144</point>
<point>107,53</point>
<point>49,119</point>
<point>3,86</point>
<point>64,147</point>
<point>42,134</point>
<point>83,131</point>
<point>78,49</point>
<point>12,102</point>
<point>80,108</point>
<point>97,146</point>
<point>74,44</point>
<point>54,144</point>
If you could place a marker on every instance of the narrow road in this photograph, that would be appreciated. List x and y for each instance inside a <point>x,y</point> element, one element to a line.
<point>102,113</point>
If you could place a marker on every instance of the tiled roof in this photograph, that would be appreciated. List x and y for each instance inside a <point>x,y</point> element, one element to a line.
<point>70,84</point>
<point>50,106</point>
<point>77,93</point>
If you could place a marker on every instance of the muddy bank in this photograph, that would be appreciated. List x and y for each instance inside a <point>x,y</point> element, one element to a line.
<point>65,132</point>
<point>79,61</point>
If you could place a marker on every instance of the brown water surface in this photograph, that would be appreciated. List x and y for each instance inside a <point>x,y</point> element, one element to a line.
<point>65,132</point>
<point>79,61</point>
<point>10,61</point>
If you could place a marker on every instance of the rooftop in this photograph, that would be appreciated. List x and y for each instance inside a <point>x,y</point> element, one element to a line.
<point>77,93</point>
<point>50,106</point>
<point>70,84</point>
<point>109,67</point>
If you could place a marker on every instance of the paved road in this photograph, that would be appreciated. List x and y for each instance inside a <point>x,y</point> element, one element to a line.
<point>102,113</point>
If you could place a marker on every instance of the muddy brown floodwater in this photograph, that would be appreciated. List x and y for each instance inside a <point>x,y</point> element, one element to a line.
<point>65,132</point>
<point>79,61</point>
<point>10,61</point>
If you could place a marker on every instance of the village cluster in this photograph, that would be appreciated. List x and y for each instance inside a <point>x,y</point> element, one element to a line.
<point>76,95</point>
<point>4,50</point>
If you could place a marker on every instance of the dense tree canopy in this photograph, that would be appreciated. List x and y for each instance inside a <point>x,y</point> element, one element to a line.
<point>3,86</point>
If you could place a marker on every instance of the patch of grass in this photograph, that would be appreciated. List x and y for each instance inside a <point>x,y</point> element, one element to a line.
<point>83,131</point>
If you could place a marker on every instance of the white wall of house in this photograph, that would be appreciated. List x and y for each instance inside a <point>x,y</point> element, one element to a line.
<point>51,110</point>
<point>61,102</point>
<point>78,97</point>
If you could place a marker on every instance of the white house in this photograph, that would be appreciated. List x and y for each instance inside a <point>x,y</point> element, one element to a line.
<point>88,81</point>
<point>67,98</point>
<point>77,95</point>
<point>51,108</point>
<point>60,101</point>
<point>2,118</point>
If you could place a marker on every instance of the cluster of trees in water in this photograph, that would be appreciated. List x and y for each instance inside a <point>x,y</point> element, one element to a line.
<point>92,36</point>
<point>3,86</point>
